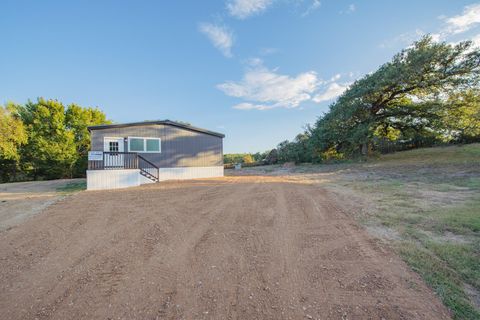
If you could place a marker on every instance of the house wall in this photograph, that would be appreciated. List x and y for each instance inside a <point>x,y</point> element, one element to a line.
<point>115,179</point>
<point>179,147</point>
<point>112,179</point>
<point>190,173</point>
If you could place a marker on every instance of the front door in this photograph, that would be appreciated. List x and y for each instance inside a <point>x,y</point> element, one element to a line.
<point>113,148</point>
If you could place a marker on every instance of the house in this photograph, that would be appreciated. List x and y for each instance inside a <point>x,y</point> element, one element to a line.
<point>131,154</point>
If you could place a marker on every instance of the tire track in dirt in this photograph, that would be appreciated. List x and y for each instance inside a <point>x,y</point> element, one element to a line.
<point>84,268</point>
<point>172,238</point>
<point>199,281</point>
<point>363,279</point>
<point>233,248</point>
<point>170,265</point>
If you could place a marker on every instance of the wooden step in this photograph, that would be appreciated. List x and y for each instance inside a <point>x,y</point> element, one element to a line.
<point>148,175</point>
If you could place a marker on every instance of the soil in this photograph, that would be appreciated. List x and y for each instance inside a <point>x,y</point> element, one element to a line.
<point>21,200</point>
<point>229,248</point>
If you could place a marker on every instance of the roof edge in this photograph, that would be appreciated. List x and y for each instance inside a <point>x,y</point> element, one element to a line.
<point>164,122</point>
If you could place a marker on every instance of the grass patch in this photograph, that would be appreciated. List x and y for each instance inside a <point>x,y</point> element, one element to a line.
<point>462,258</point>
<point>443,246</point>
<point>472,183</point>
<point>431,199</point>
<point>460,220</point>
<point>438,275</point>
<point>436,155</point>
<point>72,187</point>
<point>471,149</point>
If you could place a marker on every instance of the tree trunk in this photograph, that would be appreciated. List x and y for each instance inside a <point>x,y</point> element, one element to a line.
<point>14,173</point>
<point>365,149</point>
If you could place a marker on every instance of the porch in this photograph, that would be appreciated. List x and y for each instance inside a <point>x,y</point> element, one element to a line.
<point>113,170</point>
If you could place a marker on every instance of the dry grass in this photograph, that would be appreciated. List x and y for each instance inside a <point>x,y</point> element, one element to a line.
<point>21,200</point>
<point>425,203</point>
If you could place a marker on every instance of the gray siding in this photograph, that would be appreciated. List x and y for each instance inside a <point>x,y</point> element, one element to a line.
<point>180,147</point>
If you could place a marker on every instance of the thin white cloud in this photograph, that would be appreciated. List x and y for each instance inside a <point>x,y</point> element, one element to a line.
<point>350,9</point>
<point>264,89</point>
<point>465,21</point>
<point>251,106</point>
<point>476,40</point>
<point>333,91</point>
<point>314,6</point>
<point>456,25</point>
<point>254,62</point>
<point>335,77</point>
<point>220,36</point>
<point>403,39</point>
<point>243,9</point>
<point>437,37</point>
<point>452,27</point>
<point>267,51</point>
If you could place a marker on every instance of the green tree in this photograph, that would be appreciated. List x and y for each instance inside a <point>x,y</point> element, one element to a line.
<point>297,151</point>
<point>50,151</point>
<point>400,100</point>
<point>230,158</point>
<point>260,156</point>
<point>248,158</point>
<point>12,137</point>
<point>77,120</point>
<point>461,116</point>
<point>272,157</point>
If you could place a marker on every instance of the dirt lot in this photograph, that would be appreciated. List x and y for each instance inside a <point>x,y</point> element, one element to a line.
<point>232,248</point>
<point>21,200</point>
<point>424,203</point>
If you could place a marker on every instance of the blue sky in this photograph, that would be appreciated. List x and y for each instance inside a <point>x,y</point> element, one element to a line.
<point>256,70</point>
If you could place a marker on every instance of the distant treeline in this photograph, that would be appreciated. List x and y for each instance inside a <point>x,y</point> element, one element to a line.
<point>232,158</point>
<point>428,94</point>
<point>45,139</point>
<point>259,158</point>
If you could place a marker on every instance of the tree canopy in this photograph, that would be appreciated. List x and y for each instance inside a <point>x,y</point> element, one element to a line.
<point>408,102</point>
<point>12,133</point>
<point>77,120</point>
<point>43,139</point>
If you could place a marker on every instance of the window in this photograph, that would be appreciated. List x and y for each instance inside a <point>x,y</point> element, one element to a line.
<point>136,144</point>
<point>153,145</point>
<point>139,144</point>
<point>113,146</point>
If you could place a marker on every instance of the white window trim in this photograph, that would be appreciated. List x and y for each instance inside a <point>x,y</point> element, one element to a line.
<point>112,138</point>
<point>145,144</point>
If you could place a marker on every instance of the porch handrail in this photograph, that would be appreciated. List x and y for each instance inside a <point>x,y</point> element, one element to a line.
<point>125,160</point>
<point>115,160</point>
<point>121,160</point>
<point>147,168</point>
<point>147,161</point>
